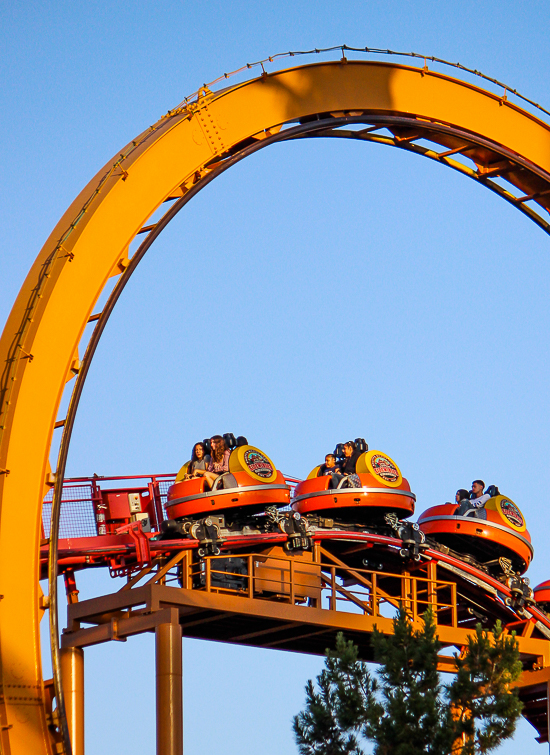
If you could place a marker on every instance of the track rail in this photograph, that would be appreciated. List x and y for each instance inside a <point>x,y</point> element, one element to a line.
<point>460,593</point>
<point>256,593</point>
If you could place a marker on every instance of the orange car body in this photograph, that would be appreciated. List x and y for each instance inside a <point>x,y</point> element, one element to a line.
<point>502,533</point>
<point>190,498</point>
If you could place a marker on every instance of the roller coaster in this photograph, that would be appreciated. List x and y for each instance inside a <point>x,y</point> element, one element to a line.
<point>341,555</point>
<point>257,558</point>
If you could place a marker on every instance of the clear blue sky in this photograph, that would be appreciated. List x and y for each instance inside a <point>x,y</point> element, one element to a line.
<point>392,298</point>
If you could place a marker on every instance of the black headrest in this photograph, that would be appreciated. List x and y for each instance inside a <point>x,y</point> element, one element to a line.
<point>493,491</point>
<point>242,441</point>
<point>206,444</point>
<point>230,441</point>
<point>339,451</point>
<point>361,445</point>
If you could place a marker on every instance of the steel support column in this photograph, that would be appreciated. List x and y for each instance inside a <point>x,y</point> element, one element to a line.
<point>169,676</point>
<point>72,670</point>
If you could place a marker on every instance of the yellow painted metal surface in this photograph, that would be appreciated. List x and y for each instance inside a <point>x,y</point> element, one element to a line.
<point>90,244</point>
<point>72,665</point>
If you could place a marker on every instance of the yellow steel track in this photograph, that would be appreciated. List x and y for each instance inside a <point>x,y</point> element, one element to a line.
<point>173,160</point>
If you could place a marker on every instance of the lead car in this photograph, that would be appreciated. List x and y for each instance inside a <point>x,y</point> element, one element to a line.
<point>252,484</point>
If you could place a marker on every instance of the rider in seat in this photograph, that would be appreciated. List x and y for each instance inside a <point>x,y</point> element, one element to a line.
<point>477,499</point>
<point>329,467</point>
<point>219,460</point>
<point>347,467</point>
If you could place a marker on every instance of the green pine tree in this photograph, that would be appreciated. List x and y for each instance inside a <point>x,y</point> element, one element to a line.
<point>481,696</point>
<point>405,709</point>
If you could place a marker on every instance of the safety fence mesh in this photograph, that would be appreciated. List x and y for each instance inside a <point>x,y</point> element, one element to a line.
<point>163,486</point>
<point>77,518</point>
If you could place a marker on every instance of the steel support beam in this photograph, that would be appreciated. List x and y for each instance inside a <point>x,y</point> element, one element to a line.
<point>169,678</point>
<point>157,604</point>
<point>72,670</point>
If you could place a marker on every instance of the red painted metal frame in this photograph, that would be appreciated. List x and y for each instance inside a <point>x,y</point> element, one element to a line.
<point>117,551</point>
